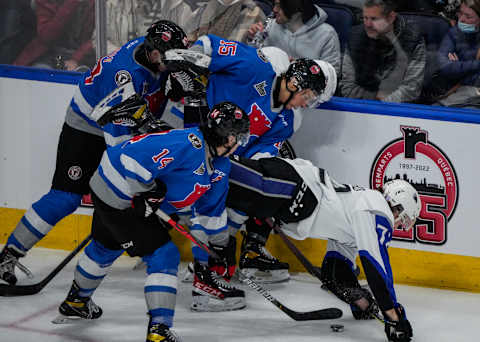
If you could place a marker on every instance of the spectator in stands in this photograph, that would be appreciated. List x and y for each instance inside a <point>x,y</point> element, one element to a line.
<point>64,36</point>
<point>17,27</point>
<point>229,19</point>
<point>265,5</point>
<point>459,57</point>
<point>301,31</point>
<point>386,57</point>
<point>445,8</point>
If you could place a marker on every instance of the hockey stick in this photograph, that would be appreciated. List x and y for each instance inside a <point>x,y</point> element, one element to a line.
<point>328,313</point>
<point>313,270</point>
<point>26,290</point>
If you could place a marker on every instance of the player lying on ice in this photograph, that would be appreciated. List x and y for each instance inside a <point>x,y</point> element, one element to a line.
<point>170,170</point>
<point>307,203</point>
<point>274,91</point>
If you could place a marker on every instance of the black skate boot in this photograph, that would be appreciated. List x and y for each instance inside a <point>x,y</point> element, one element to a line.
<point>8,260</point>
<point>212,293</point>
<point>258,264</point>
<point>160,332</point>
<point>76,307</point>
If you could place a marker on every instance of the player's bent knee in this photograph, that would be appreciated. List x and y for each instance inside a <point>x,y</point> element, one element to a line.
<point>165,259</point>
<point>102,255</point>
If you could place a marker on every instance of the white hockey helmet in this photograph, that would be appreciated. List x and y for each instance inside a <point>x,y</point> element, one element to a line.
<point>403,198</point>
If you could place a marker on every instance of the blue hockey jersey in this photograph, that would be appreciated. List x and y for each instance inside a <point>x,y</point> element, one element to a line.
<point>244,75</point>
<point>178,159</point>
<point>114,70</point>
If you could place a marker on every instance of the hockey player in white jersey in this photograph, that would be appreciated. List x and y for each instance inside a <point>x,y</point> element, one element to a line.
<point>307,203</point>
<point>274,92</point>
<point>172,171</point>
<point>134,69</point>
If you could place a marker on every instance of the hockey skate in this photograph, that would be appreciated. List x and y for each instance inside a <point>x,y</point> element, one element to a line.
<point>75,308</point>
<point>212,293</point>
<point>259,265</point>
<point>160,332</point>
<point>8,260</point>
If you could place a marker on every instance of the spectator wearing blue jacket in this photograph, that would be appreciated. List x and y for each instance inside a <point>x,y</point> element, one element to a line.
<point>459,55</point>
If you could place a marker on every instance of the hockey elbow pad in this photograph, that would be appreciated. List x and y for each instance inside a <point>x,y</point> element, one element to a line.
<point>401,330</point>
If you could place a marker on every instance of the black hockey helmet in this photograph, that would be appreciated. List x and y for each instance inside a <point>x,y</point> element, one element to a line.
<point>164,35</point>
<point>307,74</point>
<point>223,120</point>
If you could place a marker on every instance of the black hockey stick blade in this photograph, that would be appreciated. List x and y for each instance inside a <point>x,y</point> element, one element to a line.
<point>27,290</point>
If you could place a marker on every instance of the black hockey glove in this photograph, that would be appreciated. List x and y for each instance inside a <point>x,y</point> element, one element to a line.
<point>370,312</point>
<point>183,83</point>
<point>147,203</point>
<point>400,331</point>
<point>133,112</point>
<point>155,125</point>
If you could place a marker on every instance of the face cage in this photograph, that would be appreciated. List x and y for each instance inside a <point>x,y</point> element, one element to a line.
<point>405,220</point>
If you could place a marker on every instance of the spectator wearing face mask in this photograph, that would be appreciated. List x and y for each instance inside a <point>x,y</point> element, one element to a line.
<point>459,57</point>
<point>386,57</point>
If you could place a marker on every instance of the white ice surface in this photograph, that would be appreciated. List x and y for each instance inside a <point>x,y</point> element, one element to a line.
<point>436,315</point>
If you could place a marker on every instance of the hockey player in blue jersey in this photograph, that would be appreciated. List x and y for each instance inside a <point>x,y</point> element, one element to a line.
<point>171,170</point>
<point>136,68</point>
<point>274,92</point>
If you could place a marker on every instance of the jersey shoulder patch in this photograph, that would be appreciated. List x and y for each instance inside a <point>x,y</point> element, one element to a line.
<point>195,141</point>
<point>122,77</point>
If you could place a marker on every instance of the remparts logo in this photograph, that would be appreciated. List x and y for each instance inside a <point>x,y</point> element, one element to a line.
<point>417,160</point>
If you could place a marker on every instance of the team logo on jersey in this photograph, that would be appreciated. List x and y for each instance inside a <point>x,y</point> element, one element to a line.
<point>217,176</point>
<point>195,141</point>
<point>198,191</point>
<point>75,172</point>
<point>260,88</point>
<point>122,77</point>
<point>259,121</point>
<point>200,170</point>
<point>414,158</point>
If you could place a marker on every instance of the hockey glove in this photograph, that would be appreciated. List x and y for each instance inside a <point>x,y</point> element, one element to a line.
<point>370,312</point>
<point>133,112</point>
<point>153,126</point>
<point>185,83</point>
<point>147,203</point>
<point>400,331</point>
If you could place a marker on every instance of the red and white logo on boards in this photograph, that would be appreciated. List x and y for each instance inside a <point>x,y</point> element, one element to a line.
<point>414,158</point>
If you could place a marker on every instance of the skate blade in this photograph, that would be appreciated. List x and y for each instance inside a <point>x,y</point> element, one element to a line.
<point>265,277</point>
<point>207,303</point>
<point>62,319</point>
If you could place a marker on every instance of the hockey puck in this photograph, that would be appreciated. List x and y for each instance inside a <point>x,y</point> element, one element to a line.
<point>337,327</point>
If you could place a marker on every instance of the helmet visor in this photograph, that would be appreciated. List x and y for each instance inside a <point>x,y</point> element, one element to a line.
<point>312,98</point>
<point>242,139</point>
